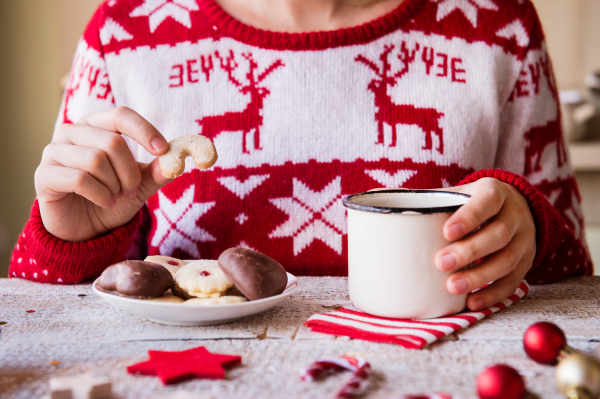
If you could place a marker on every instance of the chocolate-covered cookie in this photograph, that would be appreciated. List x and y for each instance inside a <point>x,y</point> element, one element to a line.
<point>136,279</point>
<point>255,274</point>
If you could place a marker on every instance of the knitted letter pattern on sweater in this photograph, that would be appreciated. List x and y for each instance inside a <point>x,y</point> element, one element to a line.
<point>434,94</point>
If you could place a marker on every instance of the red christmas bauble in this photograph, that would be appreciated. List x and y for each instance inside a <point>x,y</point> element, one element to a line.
<point>500,382</point>
<point>543,342</point>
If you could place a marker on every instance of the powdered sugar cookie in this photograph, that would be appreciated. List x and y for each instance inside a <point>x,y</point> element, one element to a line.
<point>201,279</point>
<point>200,148</point>
<point>223,300</point>
<point>166,298</point>
<point>171,264</point>
<point>180,292</point>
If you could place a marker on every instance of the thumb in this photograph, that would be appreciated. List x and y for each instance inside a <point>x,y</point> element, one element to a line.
<point>152,179</point>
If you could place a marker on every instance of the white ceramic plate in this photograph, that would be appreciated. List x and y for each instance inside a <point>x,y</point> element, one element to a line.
<point>178,314</point>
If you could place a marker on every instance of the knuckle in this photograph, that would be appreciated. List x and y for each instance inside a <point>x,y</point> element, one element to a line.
<point>533,240</point>
<point>95,159</point>
<point>131,179</point>
<point>487,181</point>
<point>510,259</point>
<point>503,232</point>
<point>84,118</point>
<point>521,207</point>
<point>514,279</point>
<point>519,212</point>
<point>144,129</point>
<point>38,176</point>
<point>120,111</point>
<point>48,151</point>
<point>531,226</point>
<point>471,215</point>
<point>530,248</point>
<point>493,196</point>
<point>528,220</point>
<point>96,131</point>
<point>78,179</point>
<point>115,143</point>
<point>62,129</point>
<point>470,251</point>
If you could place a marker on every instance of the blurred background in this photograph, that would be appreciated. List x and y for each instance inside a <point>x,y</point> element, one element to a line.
<point>38,39</point>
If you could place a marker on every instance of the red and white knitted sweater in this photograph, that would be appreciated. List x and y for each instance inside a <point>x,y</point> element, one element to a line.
<point>436,93</point>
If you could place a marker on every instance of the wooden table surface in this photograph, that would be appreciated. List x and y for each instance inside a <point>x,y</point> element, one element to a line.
<point>85,334</point>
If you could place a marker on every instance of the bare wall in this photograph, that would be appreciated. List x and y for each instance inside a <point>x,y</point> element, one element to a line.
<point>37,41</point>
<point>572,31</point>
<point>29,101</point>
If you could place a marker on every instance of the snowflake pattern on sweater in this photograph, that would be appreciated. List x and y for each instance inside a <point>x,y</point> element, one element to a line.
<point>434,94</point>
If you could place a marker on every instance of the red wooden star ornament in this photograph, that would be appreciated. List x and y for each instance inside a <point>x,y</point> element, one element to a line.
<point>172,367</point>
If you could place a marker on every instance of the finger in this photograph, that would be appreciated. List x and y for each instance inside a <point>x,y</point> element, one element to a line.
<point>485,202</point>
<point>152,179</point>
<point>492,268</point>
<point>499,290</point>
<point>128,122</point>
<point>88,159</point>
<point>114,146</point>
<point>59,180</point>
<point>491,238</point>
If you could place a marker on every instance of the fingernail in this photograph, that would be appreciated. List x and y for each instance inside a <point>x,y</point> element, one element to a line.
<point>112,202</point>
<point>158,144</point>
<point>477,304</point>
<point>455,231</point>
<point>448,261</point>
<point>460,286</point>
<point>132,194</point>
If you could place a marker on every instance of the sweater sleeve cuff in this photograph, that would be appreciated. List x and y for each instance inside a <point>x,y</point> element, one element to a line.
<point>548,222</point>
<point>76,261</point>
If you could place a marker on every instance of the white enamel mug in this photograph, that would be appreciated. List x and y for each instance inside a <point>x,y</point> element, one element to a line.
<point>393,237</point>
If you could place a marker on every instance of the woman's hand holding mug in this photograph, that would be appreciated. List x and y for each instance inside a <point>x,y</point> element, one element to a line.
<point>505,243</point>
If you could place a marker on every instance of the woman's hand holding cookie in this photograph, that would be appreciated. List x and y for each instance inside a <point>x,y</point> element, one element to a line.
<point>88,181</point>
<point>506,242</point>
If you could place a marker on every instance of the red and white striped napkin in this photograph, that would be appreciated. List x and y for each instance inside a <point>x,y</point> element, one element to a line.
<point>413,334</point>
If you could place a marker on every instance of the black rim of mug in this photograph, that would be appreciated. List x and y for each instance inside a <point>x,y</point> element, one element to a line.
<point>347,201</point>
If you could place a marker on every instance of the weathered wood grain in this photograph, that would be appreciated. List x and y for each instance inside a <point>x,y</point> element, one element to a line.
<point>86,335</point>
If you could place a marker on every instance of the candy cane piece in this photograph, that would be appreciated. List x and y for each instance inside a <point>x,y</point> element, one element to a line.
<point>361,372</point>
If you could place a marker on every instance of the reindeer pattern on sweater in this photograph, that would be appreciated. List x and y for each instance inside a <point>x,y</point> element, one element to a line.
<point>426,96</point>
